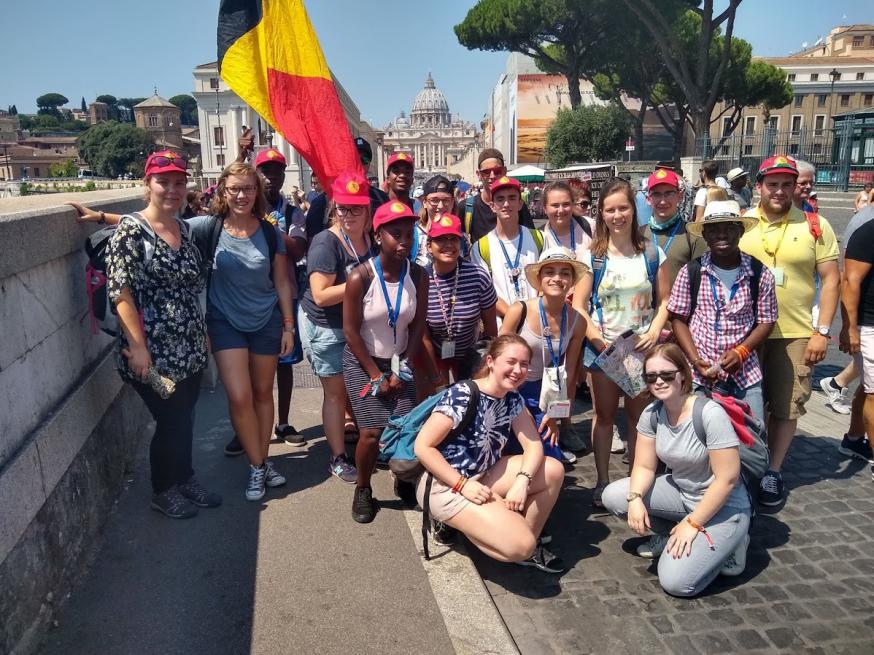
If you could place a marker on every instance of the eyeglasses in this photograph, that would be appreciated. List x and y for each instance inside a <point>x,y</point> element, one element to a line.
<point>436,202</point>
<point>168,160</point>
<point>237,190</point>
<point>667,195</point>
<point>497,171</point>
<point>585,204</point>
<point>354,210</point>
<point>667,376</point>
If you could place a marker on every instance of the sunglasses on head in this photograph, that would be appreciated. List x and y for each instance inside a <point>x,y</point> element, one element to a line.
<point>168,160</point>
<point>667,376</point>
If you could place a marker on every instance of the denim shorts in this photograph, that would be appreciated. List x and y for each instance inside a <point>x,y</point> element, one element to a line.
<point>224,336</point>
<point>323,347</point>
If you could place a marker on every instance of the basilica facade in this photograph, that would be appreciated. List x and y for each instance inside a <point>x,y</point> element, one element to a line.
<point>431,134</point>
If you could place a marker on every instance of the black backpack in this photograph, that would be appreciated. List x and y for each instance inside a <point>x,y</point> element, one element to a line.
<point>693,268</point>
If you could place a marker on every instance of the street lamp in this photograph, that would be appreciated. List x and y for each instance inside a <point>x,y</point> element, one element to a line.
<point>834,75</point>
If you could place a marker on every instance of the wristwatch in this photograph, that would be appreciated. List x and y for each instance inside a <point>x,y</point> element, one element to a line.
<point>823,330</point>
<point>632,495</point>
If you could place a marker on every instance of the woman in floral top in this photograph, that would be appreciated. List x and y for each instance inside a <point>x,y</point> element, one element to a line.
<point>500,503</point>
<point>155,275</point>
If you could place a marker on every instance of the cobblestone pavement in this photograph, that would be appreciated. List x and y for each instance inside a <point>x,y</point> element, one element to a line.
<point>808,585</point>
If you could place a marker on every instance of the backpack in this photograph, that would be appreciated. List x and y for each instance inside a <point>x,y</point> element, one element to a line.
<point>754,454</point>
<point>485,249</point>
<point>651,255</point>
<point>206,237</point>
<point>469,203</point>
<point>693,268</point>
<point>100,309</point>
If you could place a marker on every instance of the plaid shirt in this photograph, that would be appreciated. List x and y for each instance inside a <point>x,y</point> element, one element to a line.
<point>717,328</point>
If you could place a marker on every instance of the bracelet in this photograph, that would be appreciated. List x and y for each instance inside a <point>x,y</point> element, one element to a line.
<point>742,351</point>
<point>288,321</point>
<point>527,475</point>
<point>102,220</point>
<point>697,526</point>
<point>458,484</point>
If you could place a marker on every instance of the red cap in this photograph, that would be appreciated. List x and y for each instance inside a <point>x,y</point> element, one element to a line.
<point>448,224</point>
<point>165,161</point>
<point>399,156</point>
<point>506,181</point>
<point>350,189</point>
<point>393,210</point>
<point>662,176</point>
<point>777,164</point>
<point>269,155</point>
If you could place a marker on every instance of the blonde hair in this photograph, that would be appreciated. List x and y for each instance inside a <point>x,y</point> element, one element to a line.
<point>219,206</point>
<point>333,217</point>
<point>716,193</point>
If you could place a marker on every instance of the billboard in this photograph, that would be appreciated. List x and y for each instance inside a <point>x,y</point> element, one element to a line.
<point>538,98</point>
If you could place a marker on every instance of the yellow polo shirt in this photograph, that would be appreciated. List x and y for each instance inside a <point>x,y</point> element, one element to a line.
<point>797,254</point>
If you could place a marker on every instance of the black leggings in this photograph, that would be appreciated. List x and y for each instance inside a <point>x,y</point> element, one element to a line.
<point>170,450</point>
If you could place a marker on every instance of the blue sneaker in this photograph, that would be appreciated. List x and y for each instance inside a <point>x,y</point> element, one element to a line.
<point>343,469</point>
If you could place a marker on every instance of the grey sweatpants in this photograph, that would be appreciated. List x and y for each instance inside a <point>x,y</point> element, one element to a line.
<point>687,576</point>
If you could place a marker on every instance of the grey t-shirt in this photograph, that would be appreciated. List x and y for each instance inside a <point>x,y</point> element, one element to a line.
<point>684,452</point>
<point>241,290</point>
<point>858,220</point>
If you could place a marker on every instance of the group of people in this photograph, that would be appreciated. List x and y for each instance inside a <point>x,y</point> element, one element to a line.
<point>472,301</point>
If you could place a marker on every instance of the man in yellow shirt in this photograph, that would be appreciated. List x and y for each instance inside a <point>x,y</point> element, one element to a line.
<point>783,241</point>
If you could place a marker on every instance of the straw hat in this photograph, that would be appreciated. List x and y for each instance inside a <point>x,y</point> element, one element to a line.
<point>554,255</point>
<point>721,211</point>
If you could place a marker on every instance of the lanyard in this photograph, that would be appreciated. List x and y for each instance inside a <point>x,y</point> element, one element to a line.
<point>670,240</point>
<point>392,314</point>
<point>351,246</point>
<point>715,291</point>
<point>784,222</point>
<point>448,319</point>
<point>556,359</point>
<point>513,268</point>
<point>558,241</point>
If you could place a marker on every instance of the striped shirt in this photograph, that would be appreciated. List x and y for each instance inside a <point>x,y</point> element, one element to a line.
<point>475,293</point>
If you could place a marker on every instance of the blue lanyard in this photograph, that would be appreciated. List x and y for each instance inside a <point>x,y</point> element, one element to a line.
<point>670,240</point>
<point>715,291</point>
<point>556,359</point>
<point>352,247</point>
<point>392,314</point>
<point>514,267</point>
<point>572,247</point>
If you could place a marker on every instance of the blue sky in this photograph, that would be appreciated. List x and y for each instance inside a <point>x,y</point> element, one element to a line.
<point>381,50</point>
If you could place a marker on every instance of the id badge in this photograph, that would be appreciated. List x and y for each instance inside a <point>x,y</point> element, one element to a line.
<point>395,364</point>
<point>559,409</point>
<point>447,350</point>
<point>779,276</point>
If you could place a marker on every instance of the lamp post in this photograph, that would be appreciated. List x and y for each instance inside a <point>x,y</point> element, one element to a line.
<point>218,120</point>
<point>834,75</point>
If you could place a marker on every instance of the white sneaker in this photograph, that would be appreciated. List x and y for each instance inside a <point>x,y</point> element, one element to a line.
<point>840,400</point>
<point>567,456</point>
<point>273,478</point>
<point>255,489</point>
<point>617,446</point>
<point>653,547</point>
<point>737,561</point>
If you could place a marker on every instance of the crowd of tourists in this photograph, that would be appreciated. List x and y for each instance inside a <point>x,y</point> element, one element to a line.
<point>727,302</point>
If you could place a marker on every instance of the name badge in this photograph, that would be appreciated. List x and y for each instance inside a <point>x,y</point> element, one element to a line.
<point>779,275</point>
<point>395,364</point>
<point>447,350</point>
<point>559,409</point>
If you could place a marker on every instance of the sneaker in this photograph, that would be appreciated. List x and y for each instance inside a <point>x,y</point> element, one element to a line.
<point>653,547</point>
<point>406,491</point>
<point>860,448</point>
<point>289,435</point>
<point>195,493</point>
<point>544,560</point>
<point>771,489</point>
<point>839,398</point>
<point>617,445</point>
<point>272,477</point>
<point>234,447</point>
<point>544,538</point>
<point>442,534</point>
<point>597,492</point>
<point>343,469</point>
<point>571,441</point>
<point>567,457</point>
<point>737,561</point>
<point>255,489</point>
<point>363,505</point>
<point>172,503</point>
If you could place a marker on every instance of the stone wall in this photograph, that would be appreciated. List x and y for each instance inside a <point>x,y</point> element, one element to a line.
<point>68,426</point>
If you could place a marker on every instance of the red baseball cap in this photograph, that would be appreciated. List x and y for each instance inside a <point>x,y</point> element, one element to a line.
<point>351,189</point>
<point>269,155</point>
<point>506,181</point>
<point>165,161</point>
<point>662,176</point>
<point>448,224</point>
<point>393,210</point>
<point>399,156</point>
<point>777,164</point>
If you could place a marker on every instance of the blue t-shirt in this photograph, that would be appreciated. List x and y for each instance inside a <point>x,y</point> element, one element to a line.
<point>241,290</point>
<point>477,449</point>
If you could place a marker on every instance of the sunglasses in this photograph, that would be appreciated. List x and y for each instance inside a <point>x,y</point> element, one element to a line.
<point>667,376</point>
<point>168,160</point>
<point>497,171</point>
<point>585,204</point>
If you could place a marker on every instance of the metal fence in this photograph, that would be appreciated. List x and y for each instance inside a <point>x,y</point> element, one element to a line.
<point>843,156</point>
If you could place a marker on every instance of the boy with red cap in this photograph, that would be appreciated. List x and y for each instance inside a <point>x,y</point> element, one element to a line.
<point>399,177</point>
<point>506,250</point>
<point>783,240</point>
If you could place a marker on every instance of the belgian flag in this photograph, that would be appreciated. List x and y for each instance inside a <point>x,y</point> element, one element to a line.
<point>269,54</point>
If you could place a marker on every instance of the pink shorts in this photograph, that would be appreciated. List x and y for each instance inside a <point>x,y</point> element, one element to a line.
<point>443,504</point>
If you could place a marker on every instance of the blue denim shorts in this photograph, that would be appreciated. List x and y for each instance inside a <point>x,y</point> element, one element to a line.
<point>224,336</point>
<point>323,347</point>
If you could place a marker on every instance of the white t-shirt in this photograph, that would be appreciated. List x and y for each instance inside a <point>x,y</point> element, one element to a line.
<point>582,241</point>
<point>727,277</point>
<point>701,197</point>
<point>625,294</point>
<point>499,268</point>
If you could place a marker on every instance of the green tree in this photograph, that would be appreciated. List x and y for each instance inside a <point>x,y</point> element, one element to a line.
<point>84,104</point>
<point>558,34</point>
<point>586,134</point>
<point>46,121</point>
<point>112,103</point>
<point>128,108</point>
<point>48,103</point>
<point>64,169</point>
<point>188,105</point>
<point>111,148</point>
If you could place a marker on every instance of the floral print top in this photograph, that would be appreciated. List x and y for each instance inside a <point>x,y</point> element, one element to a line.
<point>166,293</point>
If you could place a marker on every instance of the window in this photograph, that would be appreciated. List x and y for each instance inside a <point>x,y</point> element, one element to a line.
<point>725,151</point>
<point>791,77</point>
<point>869,99</point>
<point>750,127</point>
<point>814,77</point>
<point>153,120</point>
<point>858,41</point>
<point>799,100</point>
<point>220,160</point>
<point>871,41</point>
<point>821,99</point>
<point>860,76</point>
<point>36,172</point>
<point>219,136</point>
<point>726,125</point>
<point>748,150</point>
<point>213,83</point>
<point>818,124</point>
<point>845,100</point>
<point>773,123</point>
<point>793,149</point>
<point>836,77</point>
<point>796,124</point>
<point>817,149</point>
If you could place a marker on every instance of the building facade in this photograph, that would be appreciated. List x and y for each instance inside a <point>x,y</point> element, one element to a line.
<point>431,134</point>
<point>162,120</point>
